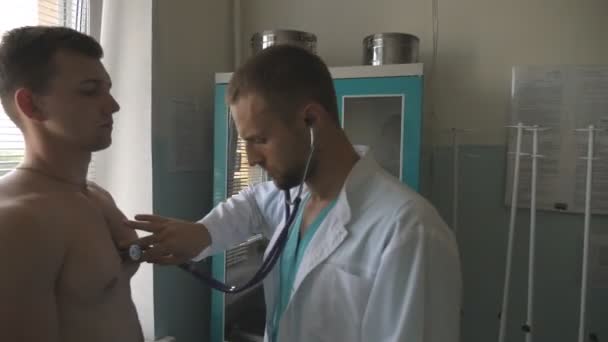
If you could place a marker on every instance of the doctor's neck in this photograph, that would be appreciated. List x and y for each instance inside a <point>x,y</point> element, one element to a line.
<point>334,159</point>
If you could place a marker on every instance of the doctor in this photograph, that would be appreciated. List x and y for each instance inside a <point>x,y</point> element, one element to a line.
<point>368,260</point>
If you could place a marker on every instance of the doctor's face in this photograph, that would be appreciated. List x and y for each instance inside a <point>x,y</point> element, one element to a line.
<point>277,145</point>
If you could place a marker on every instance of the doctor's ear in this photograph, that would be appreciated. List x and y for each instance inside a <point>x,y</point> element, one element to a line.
<point>309,121</point>
<point>311,114</point>
<point>315,114</point>
<point>27,103</point>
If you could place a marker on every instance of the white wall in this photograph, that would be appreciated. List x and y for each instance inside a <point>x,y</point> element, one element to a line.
<point>192,41</point>
<point>156,51</point>
<point>125,169</point>
<point>479,42</point>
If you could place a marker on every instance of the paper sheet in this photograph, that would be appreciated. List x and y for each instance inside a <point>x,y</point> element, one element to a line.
<point>562,99</point>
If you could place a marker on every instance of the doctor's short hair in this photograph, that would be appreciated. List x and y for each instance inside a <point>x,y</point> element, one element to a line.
<point>286,77</point>
<point>26,57</point>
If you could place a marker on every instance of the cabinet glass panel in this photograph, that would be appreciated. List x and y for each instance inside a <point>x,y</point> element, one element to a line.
<point>376,121</point>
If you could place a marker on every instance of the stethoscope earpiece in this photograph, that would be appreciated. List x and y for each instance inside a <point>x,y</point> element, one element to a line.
<point>312,136</point>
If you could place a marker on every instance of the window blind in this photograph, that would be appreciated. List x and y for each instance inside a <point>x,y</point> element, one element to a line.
<point>241,175</point>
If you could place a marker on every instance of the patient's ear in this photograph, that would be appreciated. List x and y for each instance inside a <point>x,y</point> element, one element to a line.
<point>26,104</point>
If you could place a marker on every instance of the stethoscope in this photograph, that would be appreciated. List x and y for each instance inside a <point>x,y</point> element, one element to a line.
<point>135,252</point>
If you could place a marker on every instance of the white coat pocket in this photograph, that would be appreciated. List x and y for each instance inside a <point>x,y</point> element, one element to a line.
<point>340,307</point>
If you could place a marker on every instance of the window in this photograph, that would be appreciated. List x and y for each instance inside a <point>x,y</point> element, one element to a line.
<point>71,13</point>
<point>240,174</point>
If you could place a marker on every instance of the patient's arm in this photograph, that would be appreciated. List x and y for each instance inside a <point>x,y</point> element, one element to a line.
<point>31,255</point>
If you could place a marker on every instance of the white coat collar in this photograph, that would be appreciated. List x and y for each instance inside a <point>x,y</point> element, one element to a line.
<point>332,231</point>
<point>337,218</point>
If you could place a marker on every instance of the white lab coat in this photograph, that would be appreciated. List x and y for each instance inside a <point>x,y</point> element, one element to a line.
<point>382,267</point>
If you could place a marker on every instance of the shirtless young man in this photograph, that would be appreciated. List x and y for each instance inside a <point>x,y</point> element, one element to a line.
<point>62,276</point>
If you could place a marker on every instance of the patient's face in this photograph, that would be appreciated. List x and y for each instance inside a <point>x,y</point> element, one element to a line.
<point>77,104</point>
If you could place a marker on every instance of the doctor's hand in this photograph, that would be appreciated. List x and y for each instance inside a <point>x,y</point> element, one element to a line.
<point>172,241</point>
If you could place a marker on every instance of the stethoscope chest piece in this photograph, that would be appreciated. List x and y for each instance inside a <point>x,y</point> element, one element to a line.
<point>134,253</point>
